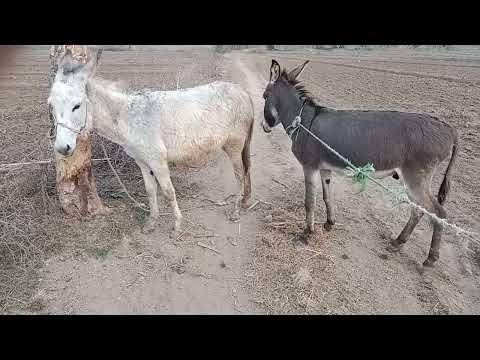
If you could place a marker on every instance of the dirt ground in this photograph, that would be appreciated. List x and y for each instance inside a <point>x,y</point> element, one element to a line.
<point>50,265</point>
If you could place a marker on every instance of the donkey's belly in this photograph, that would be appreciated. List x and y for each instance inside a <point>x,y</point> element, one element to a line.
<point>195,152</point>
<point>381,174</point>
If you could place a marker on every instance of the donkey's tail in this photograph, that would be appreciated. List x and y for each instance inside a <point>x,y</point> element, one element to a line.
<point>445,186</point>
<point>246,157</point>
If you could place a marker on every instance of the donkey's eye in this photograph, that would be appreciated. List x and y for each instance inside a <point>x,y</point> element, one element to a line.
<point>76,107</point>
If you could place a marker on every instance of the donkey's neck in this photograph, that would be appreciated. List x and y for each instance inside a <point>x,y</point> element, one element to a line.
<point>108,104</point>
<point>289,109</point>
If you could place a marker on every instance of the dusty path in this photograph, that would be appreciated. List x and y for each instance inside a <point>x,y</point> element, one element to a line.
<point>258,268</point>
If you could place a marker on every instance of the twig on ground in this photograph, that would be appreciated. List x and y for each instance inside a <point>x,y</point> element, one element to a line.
<point>279,182</point>
<point>183,210</point>
<point>206,276</point>
<point>313,251</point>
<point>253,205</point>
<point>229,196</point>
<point>207,247</point>
<point>218,203</point>
<point>204,235</point>
<point>185,231</point>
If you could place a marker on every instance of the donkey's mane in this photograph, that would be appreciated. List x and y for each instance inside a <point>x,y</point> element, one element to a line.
<point>299,86</point>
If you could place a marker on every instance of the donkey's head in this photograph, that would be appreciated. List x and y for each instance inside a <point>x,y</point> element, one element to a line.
<point>68,101</point>
<point>280,88</point>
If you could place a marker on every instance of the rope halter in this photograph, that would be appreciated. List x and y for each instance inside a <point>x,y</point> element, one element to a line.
<point>295,125</point>
<point>76,131</point>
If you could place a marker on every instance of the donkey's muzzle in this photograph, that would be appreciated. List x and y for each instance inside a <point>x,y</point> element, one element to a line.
<point>64,149</point>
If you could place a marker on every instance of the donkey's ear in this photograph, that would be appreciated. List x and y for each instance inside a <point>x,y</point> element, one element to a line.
<point>274,71</point>
<point>293,74</point>
<point>68,65</point>
<point>88,70</point>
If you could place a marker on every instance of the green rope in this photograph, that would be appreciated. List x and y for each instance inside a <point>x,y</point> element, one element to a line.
<point>360,174</point>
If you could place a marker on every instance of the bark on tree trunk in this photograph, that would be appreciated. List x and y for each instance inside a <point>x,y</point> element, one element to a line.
<point>76,186</point>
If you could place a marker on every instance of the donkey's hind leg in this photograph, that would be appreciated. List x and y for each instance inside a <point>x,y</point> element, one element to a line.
<point>419,190</point>
<point>434,253</point>
<point>234,152</point>
<point>326,176</point>
<point>417,183</point>
<point>415,217</point>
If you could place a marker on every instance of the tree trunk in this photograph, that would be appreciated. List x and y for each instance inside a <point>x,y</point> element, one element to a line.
<point>76,186</point>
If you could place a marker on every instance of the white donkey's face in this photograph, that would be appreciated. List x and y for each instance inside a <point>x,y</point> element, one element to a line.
<point>68,102</point>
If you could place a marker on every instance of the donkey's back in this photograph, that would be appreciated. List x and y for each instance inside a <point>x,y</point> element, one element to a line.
<point>194,122</point>
<point>388,139</point>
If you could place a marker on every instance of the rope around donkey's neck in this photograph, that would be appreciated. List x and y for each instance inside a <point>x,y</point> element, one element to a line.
<point>362,175</point>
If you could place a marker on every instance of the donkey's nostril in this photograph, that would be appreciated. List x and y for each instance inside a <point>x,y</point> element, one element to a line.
<point>68,147</point>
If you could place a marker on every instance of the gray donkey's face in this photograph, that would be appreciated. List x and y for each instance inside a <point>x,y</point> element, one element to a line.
<point>275,93</point>
<point>270,112</point>
<point>68,100</point>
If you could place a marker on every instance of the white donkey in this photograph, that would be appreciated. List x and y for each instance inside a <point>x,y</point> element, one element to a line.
<point>155,127</point>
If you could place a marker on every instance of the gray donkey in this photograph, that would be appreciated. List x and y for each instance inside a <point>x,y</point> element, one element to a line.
<point>406,145</point>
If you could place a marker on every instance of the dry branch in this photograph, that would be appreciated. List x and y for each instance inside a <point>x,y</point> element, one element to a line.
<point>207,247</point>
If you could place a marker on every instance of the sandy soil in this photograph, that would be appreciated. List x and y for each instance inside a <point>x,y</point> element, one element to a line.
<point>106,265</point>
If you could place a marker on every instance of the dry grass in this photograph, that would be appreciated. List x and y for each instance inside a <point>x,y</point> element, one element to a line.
<point>32,226</point>
<point>288,277</point>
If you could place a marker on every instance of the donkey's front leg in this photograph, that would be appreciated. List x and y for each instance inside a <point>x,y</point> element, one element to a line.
<point>162,173</point>
<point>327,198</point>
<point>151,189</point>
<point>310,202</point>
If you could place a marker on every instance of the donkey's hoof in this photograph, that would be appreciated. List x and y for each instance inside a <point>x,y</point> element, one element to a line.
<point>328,226</point>
<point>429,263</point>
<point>245,203</point>
<point>305,236</point>
<point>394,246</point>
